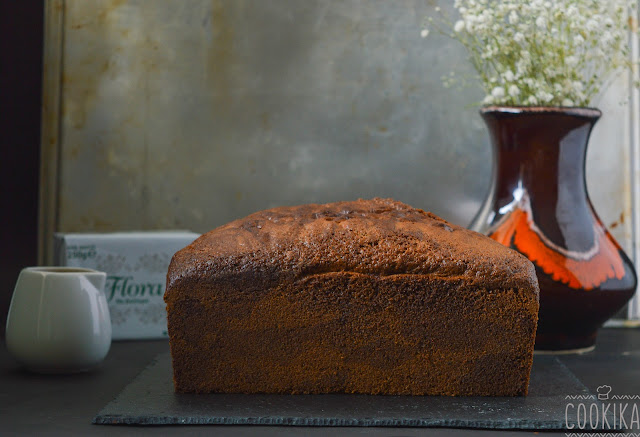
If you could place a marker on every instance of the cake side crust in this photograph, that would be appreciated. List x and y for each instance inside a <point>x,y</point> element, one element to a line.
<point>356,333</point>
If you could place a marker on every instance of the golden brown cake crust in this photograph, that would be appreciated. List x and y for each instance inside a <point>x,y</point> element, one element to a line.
<point>378,236</point>
<point>369,296</point>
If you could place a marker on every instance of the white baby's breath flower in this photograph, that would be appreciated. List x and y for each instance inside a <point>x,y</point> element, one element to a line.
<point>498,92</point>
<point>552,52</point>
<point>606,37</point>
<point>592,25</point>
<point>545,96</point>
<point>509,76</point>
<point>522,66</point>
<point>571,61</point>
<point>488,100</point>
<point>470,24</point>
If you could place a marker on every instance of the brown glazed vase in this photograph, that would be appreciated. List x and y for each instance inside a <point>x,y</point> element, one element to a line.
<point>538,205</point>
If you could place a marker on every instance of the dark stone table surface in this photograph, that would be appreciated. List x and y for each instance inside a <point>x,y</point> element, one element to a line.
<point>64,405</point>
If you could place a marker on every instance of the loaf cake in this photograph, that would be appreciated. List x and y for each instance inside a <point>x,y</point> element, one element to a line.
<point>369,296</point>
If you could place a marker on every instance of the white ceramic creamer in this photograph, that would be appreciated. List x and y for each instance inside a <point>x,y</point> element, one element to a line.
<point>59,320</point>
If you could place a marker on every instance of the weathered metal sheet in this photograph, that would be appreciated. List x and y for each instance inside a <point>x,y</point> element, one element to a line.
<point>190,114</point>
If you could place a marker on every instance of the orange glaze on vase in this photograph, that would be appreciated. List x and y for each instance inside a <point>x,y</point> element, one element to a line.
<point>578,270</point>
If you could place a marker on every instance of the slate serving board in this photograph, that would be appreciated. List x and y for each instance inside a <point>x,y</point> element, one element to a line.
<point>151,400</point>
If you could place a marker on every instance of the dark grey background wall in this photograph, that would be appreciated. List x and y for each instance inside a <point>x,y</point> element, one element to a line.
<point>20,91</point>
